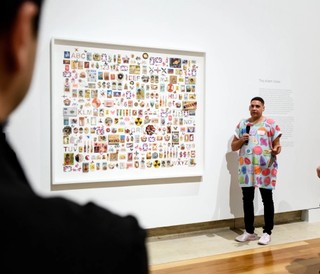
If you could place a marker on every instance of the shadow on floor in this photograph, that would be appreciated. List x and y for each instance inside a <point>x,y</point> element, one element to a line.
<point>305,266</point>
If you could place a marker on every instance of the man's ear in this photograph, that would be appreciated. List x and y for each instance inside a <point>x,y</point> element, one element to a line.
<point>21,37</point>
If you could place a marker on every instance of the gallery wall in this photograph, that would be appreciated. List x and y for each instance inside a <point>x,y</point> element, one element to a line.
<point>267,48</point>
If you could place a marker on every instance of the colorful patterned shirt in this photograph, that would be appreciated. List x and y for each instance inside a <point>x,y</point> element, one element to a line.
<point>257,167</point>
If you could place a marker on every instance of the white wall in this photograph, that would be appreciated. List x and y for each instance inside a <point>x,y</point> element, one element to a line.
<point>248,43</point>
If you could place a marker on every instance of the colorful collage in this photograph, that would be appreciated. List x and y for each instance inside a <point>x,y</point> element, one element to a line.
<point>127,110</point>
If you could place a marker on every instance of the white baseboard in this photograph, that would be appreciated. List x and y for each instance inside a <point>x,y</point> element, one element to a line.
<point>311,215</point>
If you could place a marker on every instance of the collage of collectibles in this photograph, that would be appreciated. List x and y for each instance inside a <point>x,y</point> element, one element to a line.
<point>127,111</point>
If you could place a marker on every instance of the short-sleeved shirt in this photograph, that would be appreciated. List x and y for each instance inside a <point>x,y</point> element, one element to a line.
<point>257,167</point>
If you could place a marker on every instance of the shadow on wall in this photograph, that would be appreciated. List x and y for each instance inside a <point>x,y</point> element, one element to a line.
<point>229,193</point>
<point>235,195</point>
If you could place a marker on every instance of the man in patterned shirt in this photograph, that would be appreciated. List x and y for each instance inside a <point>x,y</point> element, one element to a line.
<point>258,140</point>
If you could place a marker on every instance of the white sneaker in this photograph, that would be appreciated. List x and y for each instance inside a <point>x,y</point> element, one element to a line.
<point>247,237</point>
<point>265,239</point>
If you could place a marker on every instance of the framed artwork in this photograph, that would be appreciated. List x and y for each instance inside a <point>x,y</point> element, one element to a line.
<point>125,112</point>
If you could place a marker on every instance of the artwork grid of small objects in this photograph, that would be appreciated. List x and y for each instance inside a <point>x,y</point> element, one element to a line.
<point>127,110</point>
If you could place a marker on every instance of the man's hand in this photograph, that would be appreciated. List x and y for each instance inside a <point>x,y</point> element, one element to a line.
<point>276,150</point>
<point>318,171</point>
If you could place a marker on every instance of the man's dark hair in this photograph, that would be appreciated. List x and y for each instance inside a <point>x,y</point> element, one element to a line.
<point>257,99</point>
<point>9,10</point>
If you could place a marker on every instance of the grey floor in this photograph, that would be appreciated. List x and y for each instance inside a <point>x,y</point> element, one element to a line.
<point>181,247</point>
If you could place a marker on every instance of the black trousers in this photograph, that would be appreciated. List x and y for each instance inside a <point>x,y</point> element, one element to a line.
<point>248,209</point>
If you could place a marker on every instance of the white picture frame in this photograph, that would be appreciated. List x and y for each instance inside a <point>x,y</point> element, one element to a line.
<point>121,112</point>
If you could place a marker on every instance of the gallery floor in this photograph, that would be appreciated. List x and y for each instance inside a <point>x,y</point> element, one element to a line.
<point>295,248</point>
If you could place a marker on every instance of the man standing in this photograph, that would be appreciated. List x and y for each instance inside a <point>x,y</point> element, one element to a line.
<point>258,141</point>
<point>50,235</point>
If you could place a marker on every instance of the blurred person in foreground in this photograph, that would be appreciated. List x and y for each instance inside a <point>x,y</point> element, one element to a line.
<point>50,235</point>
<point>258,140</point>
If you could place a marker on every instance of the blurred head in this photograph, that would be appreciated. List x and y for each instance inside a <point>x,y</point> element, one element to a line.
<point>10,9</point>
<point>19,24</point>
